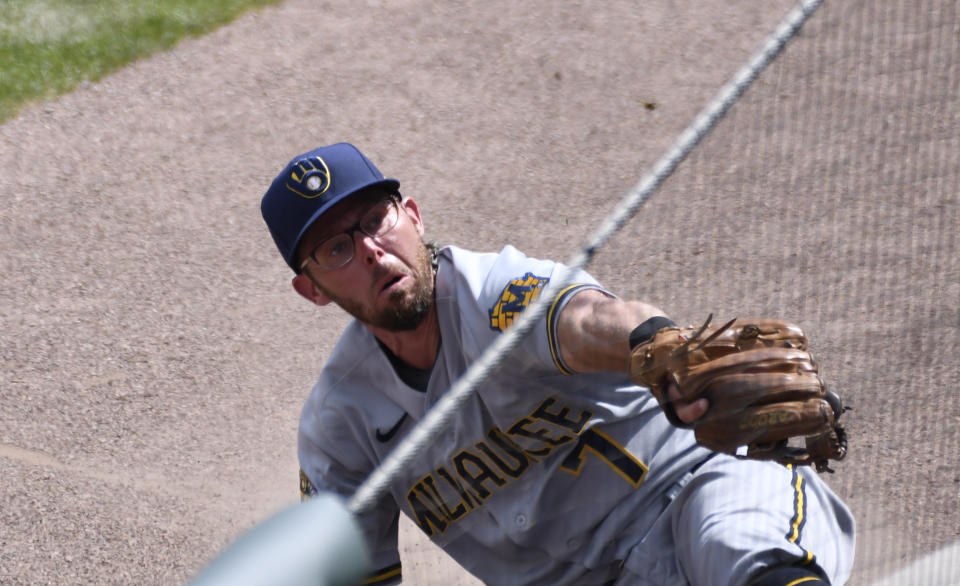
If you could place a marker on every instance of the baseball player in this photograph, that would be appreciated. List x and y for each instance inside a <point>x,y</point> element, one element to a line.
<point>559,469</point>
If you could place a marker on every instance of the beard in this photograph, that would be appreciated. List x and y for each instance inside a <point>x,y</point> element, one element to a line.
<point>405,309</point>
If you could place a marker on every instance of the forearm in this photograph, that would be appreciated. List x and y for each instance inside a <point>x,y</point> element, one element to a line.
<point>594,329</point>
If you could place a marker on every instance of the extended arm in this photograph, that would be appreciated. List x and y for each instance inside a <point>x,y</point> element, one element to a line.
<point>594,331</point>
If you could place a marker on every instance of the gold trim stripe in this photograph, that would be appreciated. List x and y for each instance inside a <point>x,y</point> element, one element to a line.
<point>551,338</point>
<point>799,515</point>
<point>806,579</point>
<point>385,574</point>
<point>799,509</point>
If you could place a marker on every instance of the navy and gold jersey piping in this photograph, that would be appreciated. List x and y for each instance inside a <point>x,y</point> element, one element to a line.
<point>553,318</point>
<point>387,575</point>
<point>799,518</point>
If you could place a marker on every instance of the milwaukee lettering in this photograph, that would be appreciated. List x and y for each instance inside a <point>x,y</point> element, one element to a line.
<point>477,472</point>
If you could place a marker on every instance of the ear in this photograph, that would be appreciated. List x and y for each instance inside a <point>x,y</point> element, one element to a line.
<point>307,289</point>
<point>413,211</point>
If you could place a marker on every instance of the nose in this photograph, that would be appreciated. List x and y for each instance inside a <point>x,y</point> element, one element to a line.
<point>367,248</point>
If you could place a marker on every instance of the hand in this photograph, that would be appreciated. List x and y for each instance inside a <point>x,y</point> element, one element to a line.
<point>688,412</point>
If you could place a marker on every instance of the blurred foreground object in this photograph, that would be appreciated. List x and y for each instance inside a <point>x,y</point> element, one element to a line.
<point>316,543</point>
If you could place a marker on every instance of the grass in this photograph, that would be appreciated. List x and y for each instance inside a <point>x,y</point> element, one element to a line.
<point>48,47</point>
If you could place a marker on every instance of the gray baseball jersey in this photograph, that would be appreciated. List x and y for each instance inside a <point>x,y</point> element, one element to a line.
<point>548,476</point>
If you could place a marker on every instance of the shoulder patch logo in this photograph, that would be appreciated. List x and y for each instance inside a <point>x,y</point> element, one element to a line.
<point>516,296</point>
<point>309,178</point>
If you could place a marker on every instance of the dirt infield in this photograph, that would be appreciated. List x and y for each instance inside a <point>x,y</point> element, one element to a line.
<point>155,357</point>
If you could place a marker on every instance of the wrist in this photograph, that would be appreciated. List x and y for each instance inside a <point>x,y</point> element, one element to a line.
<point>645,331</point>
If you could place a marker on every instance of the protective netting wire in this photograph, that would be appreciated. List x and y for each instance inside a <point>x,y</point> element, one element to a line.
<point>841,167</point>
<point>911,154</point>
<point>369,493</point>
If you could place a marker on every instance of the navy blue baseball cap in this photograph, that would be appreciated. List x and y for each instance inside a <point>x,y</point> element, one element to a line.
<point>311,184</point>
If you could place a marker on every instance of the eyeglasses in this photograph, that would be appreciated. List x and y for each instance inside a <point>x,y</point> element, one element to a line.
<point>337,251</point>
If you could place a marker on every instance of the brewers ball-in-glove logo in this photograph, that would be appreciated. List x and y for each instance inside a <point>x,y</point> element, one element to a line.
<point>309,178</point>
<point>516,296</point>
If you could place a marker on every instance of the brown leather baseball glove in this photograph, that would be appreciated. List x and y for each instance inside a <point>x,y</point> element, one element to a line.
<point>762,384</point>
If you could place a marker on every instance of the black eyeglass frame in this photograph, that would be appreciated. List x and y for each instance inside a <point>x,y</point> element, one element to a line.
<point>392,200</point>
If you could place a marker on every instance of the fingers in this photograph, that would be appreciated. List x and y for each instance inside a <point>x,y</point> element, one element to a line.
<point>687,411</point>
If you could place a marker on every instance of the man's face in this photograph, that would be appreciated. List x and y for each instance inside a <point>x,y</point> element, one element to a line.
<point>388,284</point>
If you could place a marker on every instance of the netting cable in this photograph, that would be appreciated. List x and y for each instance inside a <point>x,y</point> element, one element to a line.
<point>436,419</point>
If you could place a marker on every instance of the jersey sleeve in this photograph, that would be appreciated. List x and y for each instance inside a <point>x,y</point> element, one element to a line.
<point>327,465</point>
<point>501,287</point>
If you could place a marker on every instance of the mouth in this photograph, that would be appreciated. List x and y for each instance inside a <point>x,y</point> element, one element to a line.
<point>390,282</point>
